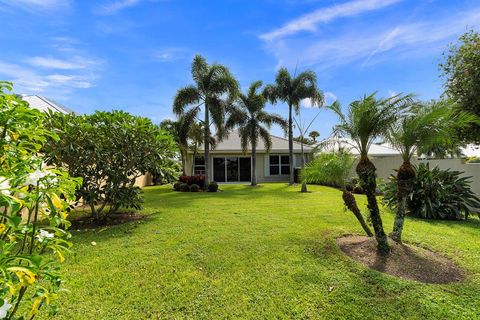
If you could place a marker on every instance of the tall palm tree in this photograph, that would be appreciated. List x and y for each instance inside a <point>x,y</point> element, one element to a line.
<point>248,113</point>
<point>292,90</point>
<point>195,136</point>
<point>314,135</point>
<point>423,127</point>
<point>213,83</point>
<point>367,120</point>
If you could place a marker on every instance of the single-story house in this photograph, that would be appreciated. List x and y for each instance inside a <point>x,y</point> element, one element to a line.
<point>228,163</point>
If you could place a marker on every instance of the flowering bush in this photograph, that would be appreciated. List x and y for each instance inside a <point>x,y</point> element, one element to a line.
<point>34,201</point>
<point>198,180</point>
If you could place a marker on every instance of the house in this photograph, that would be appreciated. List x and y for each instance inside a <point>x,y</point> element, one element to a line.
<point>44,104</point>
<point>228,163</point>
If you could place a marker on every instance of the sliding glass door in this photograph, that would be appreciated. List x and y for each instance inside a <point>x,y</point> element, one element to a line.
<point>232,169</point>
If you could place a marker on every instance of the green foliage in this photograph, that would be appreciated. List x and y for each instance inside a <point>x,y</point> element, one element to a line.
<point>212,187</point>
<point>176,186</point>
<point>461,70</point>
<point>34,201</point>
<point>329,169</point>
<point>473,160</point>
<point>437,194</point>
<point>109,150</point>
<point>194,188</point>
<point>184,187</point>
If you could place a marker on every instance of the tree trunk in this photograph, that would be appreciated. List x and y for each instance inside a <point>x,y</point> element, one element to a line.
<point>290,143</point>
<point>351,204</point>
<point>254,164</point>
<point>304,184</point>
<point>193,159</point>
<point>182,157</point>
<point>206,143</point>
<point>405,180</point>
<point>366,173</point>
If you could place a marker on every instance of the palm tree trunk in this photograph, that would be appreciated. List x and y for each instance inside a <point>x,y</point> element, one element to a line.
<point>193,159</point>
<point>351,204</point>
<point>290,142</point>
<point>304,184</point>
<point>206,143</point>
<point>254,164</point>
<point>405,180</point>
<point>184,164</point>
<point>366,172</point>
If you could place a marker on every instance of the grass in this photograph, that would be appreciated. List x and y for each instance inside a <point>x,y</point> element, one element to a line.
<point>260,253</point>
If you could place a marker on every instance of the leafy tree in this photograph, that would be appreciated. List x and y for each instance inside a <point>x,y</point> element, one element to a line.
<point>248,113</point>
<point>314,135</point>
<point>34,201</point>
<point>212,84</point>
<point>109,150</point>
<point>461,70</point>
<point>368,119</point>
<point>333,169</point>
<point>292,90</point>
<point>423,127</point>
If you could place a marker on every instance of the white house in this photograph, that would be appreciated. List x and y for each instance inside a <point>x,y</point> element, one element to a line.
<point>45,104</point>
<point>228,163</point>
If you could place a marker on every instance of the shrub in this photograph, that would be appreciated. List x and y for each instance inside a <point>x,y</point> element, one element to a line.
<point>473,160</point>
<point>194,188</point>
<point>109,150</point>
<point>213,187</point>
<point>184,187</point>
<point>33,248</point>
<point>176,186</point>
<point>197,179</point>
<point>437,194</point>
<point>329,169</point>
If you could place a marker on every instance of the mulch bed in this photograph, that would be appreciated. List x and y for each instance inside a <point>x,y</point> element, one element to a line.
<point>405,261</point>
<point>87,222</point>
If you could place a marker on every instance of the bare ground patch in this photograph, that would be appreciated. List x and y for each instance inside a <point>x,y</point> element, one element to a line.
<point>405,261</point>
<point>109,220</point>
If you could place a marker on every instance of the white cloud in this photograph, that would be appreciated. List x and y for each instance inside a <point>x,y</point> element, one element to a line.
<point>363,44</point>
<point>329,98</point>
<point>324,15</point>
<point>37,4</point>
<point>114,7</point>
<point>170,54</point>
<point>54,63</point>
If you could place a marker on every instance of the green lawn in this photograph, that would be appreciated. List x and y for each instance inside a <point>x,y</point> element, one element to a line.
<point>263,253</point>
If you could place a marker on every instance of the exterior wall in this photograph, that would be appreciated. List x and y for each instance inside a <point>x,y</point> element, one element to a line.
<point>261,167</point>
<point>386,166</point>
<point>145,180</point>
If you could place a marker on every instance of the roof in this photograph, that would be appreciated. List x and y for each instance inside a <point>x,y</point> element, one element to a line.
<point>233,144</point>
<point>376,150</point>
<point>45,105</point>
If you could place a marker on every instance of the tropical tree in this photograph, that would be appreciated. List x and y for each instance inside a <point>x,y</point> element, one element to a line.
<point>314,135</point>
<point>368,119</point>
<point>423,127</point>
<point>179,129</point>
<point>292,90</point>
<point>195,138</point>
<point>461,71</point>
<point>253,122</point>
<point>214,88</point>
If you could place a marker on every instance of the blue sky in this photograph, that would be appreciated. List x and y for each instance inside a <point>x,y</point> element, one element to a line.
<point>134,54</point>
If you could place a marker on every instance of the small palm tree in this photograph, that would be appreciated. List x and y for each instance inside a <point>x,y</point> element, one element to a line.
<point>314,135</point>
<point>213,83</point>
<point>367,120</point>
<point>249,115</point>
<point>424,127</point>
<point>292,90</point>
<point>195,136</point>
<point>179,129</point>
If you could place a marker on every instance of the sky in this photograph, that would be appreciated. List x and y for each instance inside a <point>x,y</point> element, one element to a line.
<point>134,54</point>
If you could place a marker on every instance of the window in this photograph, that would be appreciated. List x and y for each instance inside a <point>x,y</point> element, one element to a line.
<point>279,165</point>
<point>199,165</point>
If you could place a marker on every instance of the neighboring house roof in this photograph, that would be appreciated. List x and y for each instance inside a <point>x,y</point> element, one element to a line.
<point>232,144</point>
<point>376,150</point>
<point>45,105</point>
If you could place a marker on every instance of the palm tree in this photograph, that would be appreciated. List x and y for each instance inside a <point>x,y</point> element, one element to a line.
<point>367,120</point>
<point>292,90</point>
<point>195,135</point>
<point>424,127</point>
<point>179,129</point>
<point>248,113</point>
<point>314,135</point>
<point>213,83</point>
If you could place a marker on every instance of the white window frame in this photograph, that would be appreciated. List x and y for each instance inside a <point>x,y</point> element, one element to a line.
<point>200,167</point>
